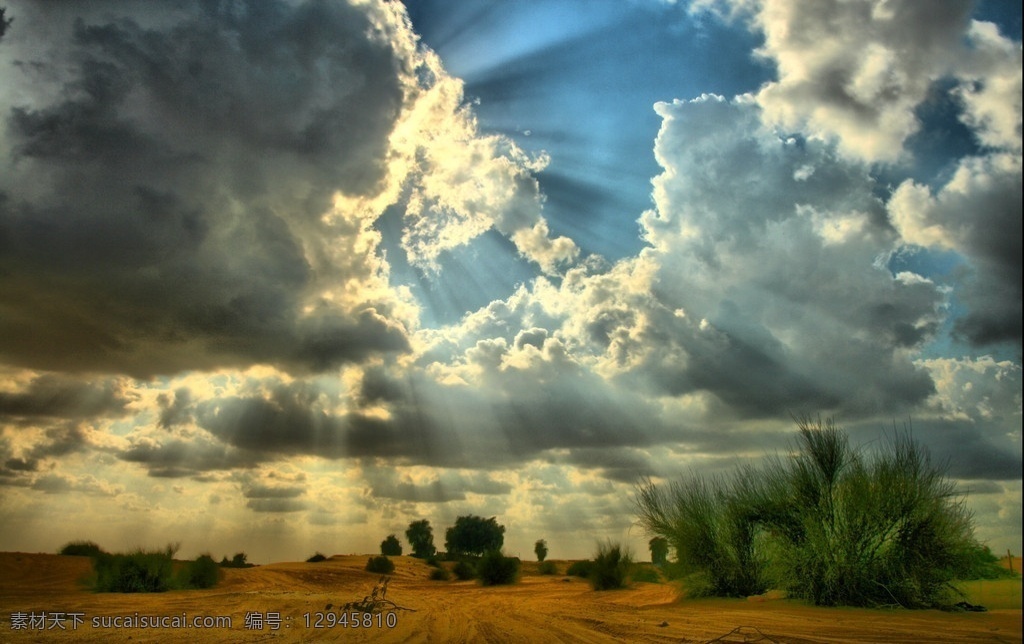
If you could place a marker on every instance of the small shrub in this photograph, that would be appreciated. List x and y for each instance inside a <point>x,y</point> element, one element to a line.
<point>464,570</point>
<point>201,573</point>
<point>433,562</point>
<point>318,557</point>
<point>611,567</point>
<point>439,574</point>
<point>81,549</point>
<point>136,572</point>
<point>547,568</point>
<point>495,569</point>
<point>646,574</point>
<point>380,564</point>
<point>580,568</point>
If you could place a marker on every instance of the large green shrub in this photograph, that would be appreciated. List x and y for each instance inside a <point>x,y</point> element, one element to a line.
<point>136,572</point>
<point>833,525</point>
<point>495,568</point>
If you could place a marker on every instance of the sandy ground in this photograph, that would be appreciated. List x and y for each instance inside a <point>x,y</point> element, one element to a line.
<point>538,609</point>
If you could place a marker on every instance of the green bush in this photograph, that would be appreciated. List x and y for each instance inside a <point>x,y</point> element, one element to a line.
<point>832,525</point>
<point>380,564</point>
<point>317,558</point>
<point>439,574</point>
<point>610,568</point>
<point>580,568</point>
<point>201,573</point>
<point>494,569</point>
<point>136,572</point>
<point>547,568</point>
<point>464,570</point>
<point>81,549</point>
<point>433,562</point>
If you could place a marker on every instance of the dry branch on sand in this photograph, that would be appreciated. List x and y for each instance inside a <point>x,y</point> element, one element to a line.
<point>376,601</point>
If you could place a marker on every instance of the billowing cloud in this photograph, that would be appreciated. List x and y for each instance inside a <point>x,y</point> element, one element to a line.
<point>165,185</point>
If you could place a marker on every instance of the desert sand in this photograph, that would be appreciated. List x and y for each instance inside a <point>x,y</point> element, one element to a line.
<point>537,609</point>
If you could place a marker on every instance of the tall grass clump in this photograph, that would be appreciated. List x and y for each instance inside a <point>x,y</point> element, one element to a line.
<point>495,569</point>
<point>138,571</point>
<point>833,524</point>
<point>709,525</point>
<point>611,567</point>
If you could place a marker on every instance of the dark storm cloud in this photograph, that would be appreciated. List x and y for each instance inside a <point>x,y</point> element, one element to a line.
<point>967,450</point>
<point>623,465</point>
<point>172,457</point>
<point>276,505</point>
<point>449,486</point>
<point>165,177</point>
<point>54,396</point>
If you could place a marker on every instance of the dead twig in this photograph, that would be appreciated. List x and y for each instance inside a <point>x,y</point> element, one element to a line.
<point>748,636</point>
<point>377,600</point>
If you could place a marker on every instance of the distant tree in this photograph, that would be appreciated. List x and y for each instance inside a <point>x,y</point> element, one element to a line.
<point>5,22</point>
<point>380,564</point>
<point>82,549</point>
<point>421,539</point>
<point>391,546</point>
<point>238,561</point>
<point>659,550</point>
<point>541,548</point>
<point>473,535</point>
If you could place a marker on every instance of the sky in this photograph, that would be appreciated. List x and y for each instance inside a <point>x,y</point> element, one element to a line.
<point>285,276</point>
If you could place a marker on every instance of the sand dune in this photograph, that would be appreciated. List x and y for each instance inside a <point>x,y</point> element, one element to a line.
<point>538,609</point>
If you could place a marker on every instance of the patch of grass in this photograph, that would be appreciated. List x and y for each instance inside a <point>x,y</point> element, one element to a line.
<point>81,549</point>
<point>580,568</point>
<point>317,558</point>
<point>495,569</point>
<point>611,568</point>
<point>380,564</point>
<point>547,568</point>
